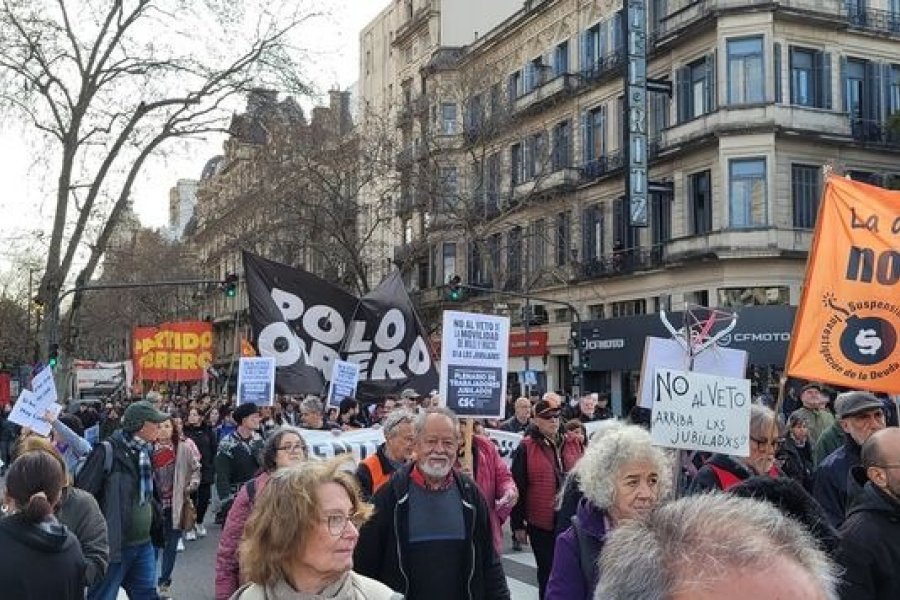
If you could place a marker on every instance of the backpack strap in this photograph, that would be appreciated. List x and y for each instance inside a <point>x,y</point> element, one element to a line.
<point>251,490</point>
<point>107,456</point>
<point>588,552</point>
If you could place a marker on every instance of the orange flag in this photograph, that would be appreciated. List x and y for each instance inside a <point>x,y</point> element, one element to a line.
<point>247,348</point>
<point>846,328</point>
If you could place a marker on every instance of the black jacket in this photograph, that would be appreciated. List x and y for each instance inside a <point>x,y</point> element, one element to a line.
<point>39,561</point>
<point>204,438</point>
<point>797,463</point>
<point>869,549</point>
<point>383,542</point>
<point>833,486</point>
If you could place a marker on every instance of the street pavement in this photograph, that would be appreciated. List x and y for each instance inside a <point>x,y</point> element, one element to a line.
<point>194,574</point>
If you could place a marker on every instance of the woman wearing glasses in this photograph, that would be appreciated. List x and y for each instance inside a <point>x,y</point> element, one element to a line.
<point>722,471</point>
<point>300,538</point>
<point>284,448</point>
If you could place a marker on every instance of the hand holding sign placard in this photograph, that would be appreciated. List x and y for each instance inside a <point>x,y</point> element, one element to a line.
<point>693,411</point>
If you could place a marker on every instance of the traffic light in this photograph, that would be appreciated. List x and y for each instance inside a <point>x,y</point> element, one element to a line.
<point>230,285</point>
<point>53,356</point>
<point>454,289</point>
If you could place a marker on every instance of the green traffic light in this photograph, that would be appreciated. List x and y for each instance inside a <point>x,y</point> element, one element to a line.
<point>230,292</point>
<point>455,295</point>
<point>52,363</point>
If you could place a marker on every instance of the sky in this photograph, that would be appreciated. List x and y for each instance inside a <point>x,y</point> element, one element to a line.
<point>23,208</point>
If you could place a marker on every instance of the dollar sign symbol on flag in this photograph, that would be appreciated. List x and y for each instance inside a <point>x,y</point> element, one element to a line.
<point>867,341</point>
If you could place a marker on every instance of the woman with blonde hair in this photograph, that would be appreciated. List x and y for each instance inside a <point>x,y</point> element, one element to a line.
<point>300,539</point>
<point>621,476</point>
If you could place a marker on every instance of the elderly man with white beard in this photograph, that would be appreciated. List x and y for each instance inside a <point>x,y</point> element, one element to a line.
<point>430,537</point>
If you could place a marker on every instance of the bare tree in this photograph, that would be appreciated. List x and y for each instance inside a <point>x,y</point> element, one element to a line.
<point>107,316</point>
<point>107,83</point>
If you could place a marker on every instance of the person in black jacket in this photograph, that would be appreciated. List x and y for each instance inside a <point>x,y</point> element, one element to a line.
<point>430,537</point>
<point>39,557</point>
<point>796,452</point>
<point>869,549</point>
<point>204,438</point>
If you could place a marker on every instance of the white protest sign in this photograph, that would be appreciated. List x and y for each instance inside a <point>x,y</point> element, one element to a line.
<point>474,356</point>
<point>29,410</point>
<point>592,427</point>
<point>505,441</point>
<point>344,377</point>
<point>256,380</point>
<point>667,353</point>
<point>43,387</point>
<point>694,411</point>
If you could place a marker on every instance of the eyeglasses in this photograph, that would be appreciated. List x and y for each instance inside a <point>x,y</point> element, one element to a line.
<point>292,448</point>
<point>771,443</point>
<point>548,416</point>
<point>337,524</point>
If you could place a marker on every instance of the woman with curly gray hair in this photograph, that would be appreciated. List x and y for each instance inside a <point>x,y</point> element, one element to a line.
<point>621,476</point>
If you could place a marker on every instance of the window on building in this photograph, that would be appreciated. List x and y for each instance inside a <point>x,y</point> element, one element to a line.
<point>517,163</point>
<point>893,84</point>
<point>514,258</point>
<point>624,235</point>
<point>747,192</point>
<point>563,235</point>
<point>534,74</point>
<point>562,145</point>
<point>700,193</point>
<point>696,88</point>
<point>593,46</point>
<point>660,218</point>
<point>449,261</point>
<point>594,134</point>
<point>535,154</point>
<point>407,230</point>
<point>494,243</point>
<point>474,116</point>
<point>627,308</point>
<point>448,119</point>
<point>514,86</point>
<point>596,312</point>
<point>496,100</point>
<point>697,298</point>
<point>561,58</point>
<point>492,184</point>
<point>449,187</point>
<point>658,117</point>
<point>805,195</point>
<point>810,78</point>
<point>855,97</point>
<point>746,83</point>
<point>592,233</point>
<point>537,244</point>
<point>753,296</point>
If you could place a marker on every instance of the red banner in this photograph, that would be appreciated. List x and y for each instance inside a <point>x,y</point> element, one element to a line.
<point>533,343</point>
<point>172,351</point>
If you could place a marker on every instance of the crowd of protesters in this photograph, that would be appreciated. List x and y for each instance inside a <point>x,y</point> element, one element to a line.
<point>117,490</point>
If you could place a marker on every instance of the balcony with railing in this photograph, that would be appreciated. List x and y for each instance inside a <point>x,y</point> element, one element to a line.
<point>757,242</point>
<point>622,262</point>
<point>545,92</point>
<point>682,14</point>
<point>872,19</point>
<point>601,167</point>
<point>603,68</point>
<point>875,133</point>
<point>559,180</point>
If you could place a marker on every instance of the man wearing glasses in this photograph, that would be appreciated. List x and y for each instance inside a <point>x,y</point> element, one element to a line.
<point>869,550</point>
<point>539,467</point>
<point>860,414</point>
<point>430,538</point>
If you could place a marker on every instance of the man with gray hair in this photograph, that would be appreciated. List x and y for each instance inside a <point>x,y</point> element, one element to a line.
<point>431,534</point>
<point>714,546</point>
<point>312,415</point>
<point>375,470</point>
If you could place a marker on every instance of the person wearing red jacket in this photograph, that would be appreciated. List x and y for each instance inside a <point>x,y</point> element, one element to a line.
<point>539,466</point>
<point>494,480</point>
<point>285,447</point>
